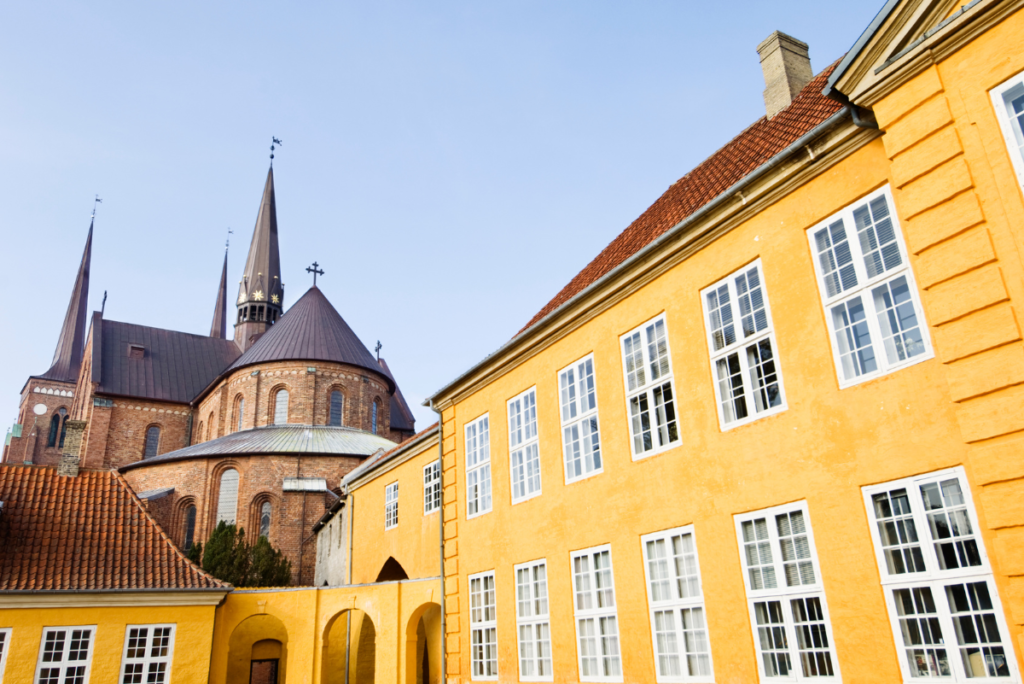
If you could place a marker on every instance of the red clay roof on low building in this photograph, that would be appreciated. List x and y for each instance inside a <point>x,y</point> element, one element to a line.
<point>741,156</point>
<point>85,533</point>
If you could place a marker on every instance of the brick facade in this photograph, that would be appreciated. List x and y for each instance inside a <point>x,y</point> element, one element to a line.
<point>33,444</point>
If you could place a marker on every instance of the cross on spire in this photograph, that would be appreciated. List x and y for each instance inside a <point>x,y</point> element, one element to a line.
<point>315,270</point>
<point>378,348</point>
<point>274,141</point>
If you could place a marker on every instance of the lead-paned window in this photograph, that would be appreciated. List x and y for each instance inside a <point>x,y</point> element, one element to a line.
<point>650,392</point>
<point>597,623</point>
<point>431,487</point>
<point>532,622</point>
<point>872,307</point>
<point>281,407</point>
<point>65,655</point>
<point>946,617</point>
<point>337,405</point>
<point>785,595</point>
<point>227,498</point>
<point>744,353</point>
<point>1008,100</point>
<point>524,446</point>
<point>391,506</point>
<point>152,441</point>
<point>682,652</point>
<point>148,651</point>
<point>5,646</point>
<point>239,413</point>
<point>478,467</point>
<point>483,623</point>
<point>581,438</point>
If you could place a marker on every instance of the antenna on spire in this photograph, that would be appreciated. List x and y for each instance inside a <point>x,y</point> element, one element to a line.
<point>275,141</point>
<point>94,203</point>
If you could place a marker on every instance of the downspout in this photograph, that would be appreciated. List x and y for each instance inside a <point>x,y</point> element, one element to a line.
<point>440,542</point>
<point>348,617</point>
<point>862,118</point>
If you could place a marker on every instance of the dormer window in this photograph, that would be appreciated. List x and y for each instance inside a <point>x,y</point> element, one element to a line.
<point>136,351</point>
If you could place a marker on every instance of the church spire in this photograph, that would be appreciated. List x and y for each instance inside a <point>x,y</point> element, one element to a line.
<point>261,293</point>
<point>219,327</point>
<point>67,359</point>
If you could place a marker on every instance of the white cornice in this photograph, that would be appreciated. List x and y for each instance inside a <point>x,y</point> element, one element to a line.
<point>111,599</point>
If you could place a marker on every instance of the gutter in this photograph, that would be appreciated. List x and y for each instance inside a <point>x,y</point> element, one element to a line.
<point>726,195</point>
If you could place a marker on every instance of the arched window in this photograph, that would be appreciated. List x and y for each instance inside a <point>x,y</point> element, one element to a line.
<point>209,427</point>
<point>265,519</point>
<point>373,415</point>
<point>54,430</point>
<point>199,432</point>
<point>281,407</point>
<point>337,404</point>
<point>239,411</point>
<point>63,427</point>
<point>227,502</point>
<point>190,527</point>
<point>152,441</point>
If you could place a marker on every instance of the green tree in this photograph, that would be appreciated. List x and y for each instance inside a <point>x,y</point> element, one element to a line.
<point>229,557</point>
<point>195,554</point>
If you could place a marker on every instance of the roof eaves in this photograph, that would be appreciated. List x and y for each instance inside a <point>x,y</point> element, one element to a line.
<point>858,45</point>
<point>652,246</point>
<point>371,464</point>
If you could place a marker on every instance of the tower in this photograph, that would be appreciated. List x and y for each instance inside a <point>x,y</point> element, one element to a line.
<point>67,359</point>
<point>260,293</point>
<point>219,328</point>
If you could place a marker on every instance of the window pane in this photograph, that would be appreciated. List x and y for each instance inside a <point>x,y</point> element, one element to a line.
<point>977,630</point>
<point>640,420</point>
<point>657,569</point>
<point>152,441</point>
<point>897,532</point>
<point>853,338</point>
<point>922,634</point>
<point>950,525</point>
<point>723,332</point>
<point>877,237</point>
<point>281,407</point>
<point>730,388</point>
<point>665,412</point>
<point>796,550</point>
<point>763,378</point>
<point>897,318</point>
<point>695,641</point>
<point>666,643</point>
<point>812,637</point>
<point>835,258</point>
<point>567,386</point>
<point>771,635</point>
<point>657,349</point>
<point>753,315</point>
<point>634,361</point>
<point>587,394</point>
<point>758,554</point>
<point>337,400</point>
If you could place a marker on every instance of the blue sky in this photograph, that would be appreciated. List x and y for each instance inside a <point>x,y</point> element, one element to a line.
<point>451,165</point>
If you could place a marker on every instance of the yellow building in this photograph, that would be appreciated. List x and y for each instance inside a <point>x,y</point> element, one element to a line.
<point>773,431</point>
<point>91,589</point>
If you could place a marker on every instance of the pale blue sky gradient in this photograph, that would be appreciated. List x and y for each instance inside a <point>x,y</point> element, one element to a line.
<point>451,165</point>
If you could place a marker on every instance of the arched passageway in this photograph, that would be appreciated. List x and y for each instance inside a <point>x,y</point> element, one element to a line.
<point>350,639</point>
<point>258,651</point>
<point>391,571</point>
<point>423,645</point>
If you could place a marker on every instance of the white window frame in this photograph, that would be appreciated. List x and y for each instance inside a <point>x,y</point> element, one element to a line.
<point>478,466</point>
<point>647,389</point>
<point>595,613</point>
<point>148,659</point>
<point>391,506</point>
<point>483,626</point>
<point>517,411</point>
<point>934,578</point>
<point>785,595</point>
<point>740,346</point>
<point>533,613</point>
<point>63,664</point>
<point>5,648</point>
<point>575,411</point>
<point>1013,135</point>
<point>864,290</point>
<point>432,488</point>
<point>675,603</point>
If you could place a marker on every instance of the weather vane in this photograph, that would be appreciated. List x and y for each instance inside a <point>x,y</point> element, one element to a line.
<point>275,141</point>
<point>378,348</point>
<point>227,242</point>
<point>94,203</point>
<point>315,270</point>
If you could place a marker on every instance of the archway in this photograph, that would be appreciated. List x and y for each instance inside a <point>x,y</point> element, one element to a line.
<point>391,571</point>
<point>258,651</point>
<point>349,638</point>
<point>423,645</point>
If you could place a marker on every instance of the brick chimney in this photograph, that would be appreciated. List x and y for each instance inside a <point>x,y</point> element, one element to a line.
<point>787,69</point>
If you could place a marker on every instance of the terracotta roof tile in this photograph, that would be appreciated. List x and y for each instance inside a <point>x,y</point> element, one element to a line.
<point>741,156</point>
<point>84,533</point>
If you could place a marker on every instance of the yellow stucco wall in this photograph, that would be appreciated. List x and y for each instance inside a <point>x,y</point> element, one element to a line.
<point>192,641</point>
<point>828,444</point>
<point>414,542</point>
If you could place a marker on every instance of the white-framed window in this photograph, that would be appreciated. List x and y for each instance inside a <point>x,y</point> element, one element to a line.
<point>532,622</point>
<point>148,650</point>
<point>391,506</point>
<point>947,620</point>
<point>872,306</point>
<point>597,621</point>
<point>744,353</point>
<point>650,392</point>
<point>431,487</point>
<point>478,467</point>
<point>483,624</point>
<point>785,596</point>
<point>682,652</point>
<point>581,438</point>
<point>65,655</point>
<point>524,446</point>
<point>1008,100</point>
<point>5,646</point>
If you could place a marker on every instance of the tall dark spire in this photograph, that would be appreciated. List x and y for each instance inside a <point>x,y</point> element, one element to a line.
<point>219,327</point>
<point>67,359</point>
<point>261,293</point>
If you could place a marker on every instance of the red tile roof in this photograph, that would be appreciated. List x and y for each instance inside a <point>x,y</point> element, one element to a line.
<point>85,533</point>
<point>741,156</point>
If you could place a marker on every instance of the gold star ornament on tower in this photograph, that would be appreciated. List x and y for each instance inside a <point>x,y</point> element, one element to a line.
<point>274,299</point>
<point>258,295</point>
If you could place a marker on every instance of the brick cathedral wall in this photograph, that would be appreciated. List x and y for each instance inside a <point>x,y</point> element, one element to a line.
<point>129,421</point>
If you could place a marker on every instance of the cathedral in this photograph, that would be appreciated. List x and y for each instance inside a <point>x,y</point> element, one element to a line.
<point>257,430</point>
